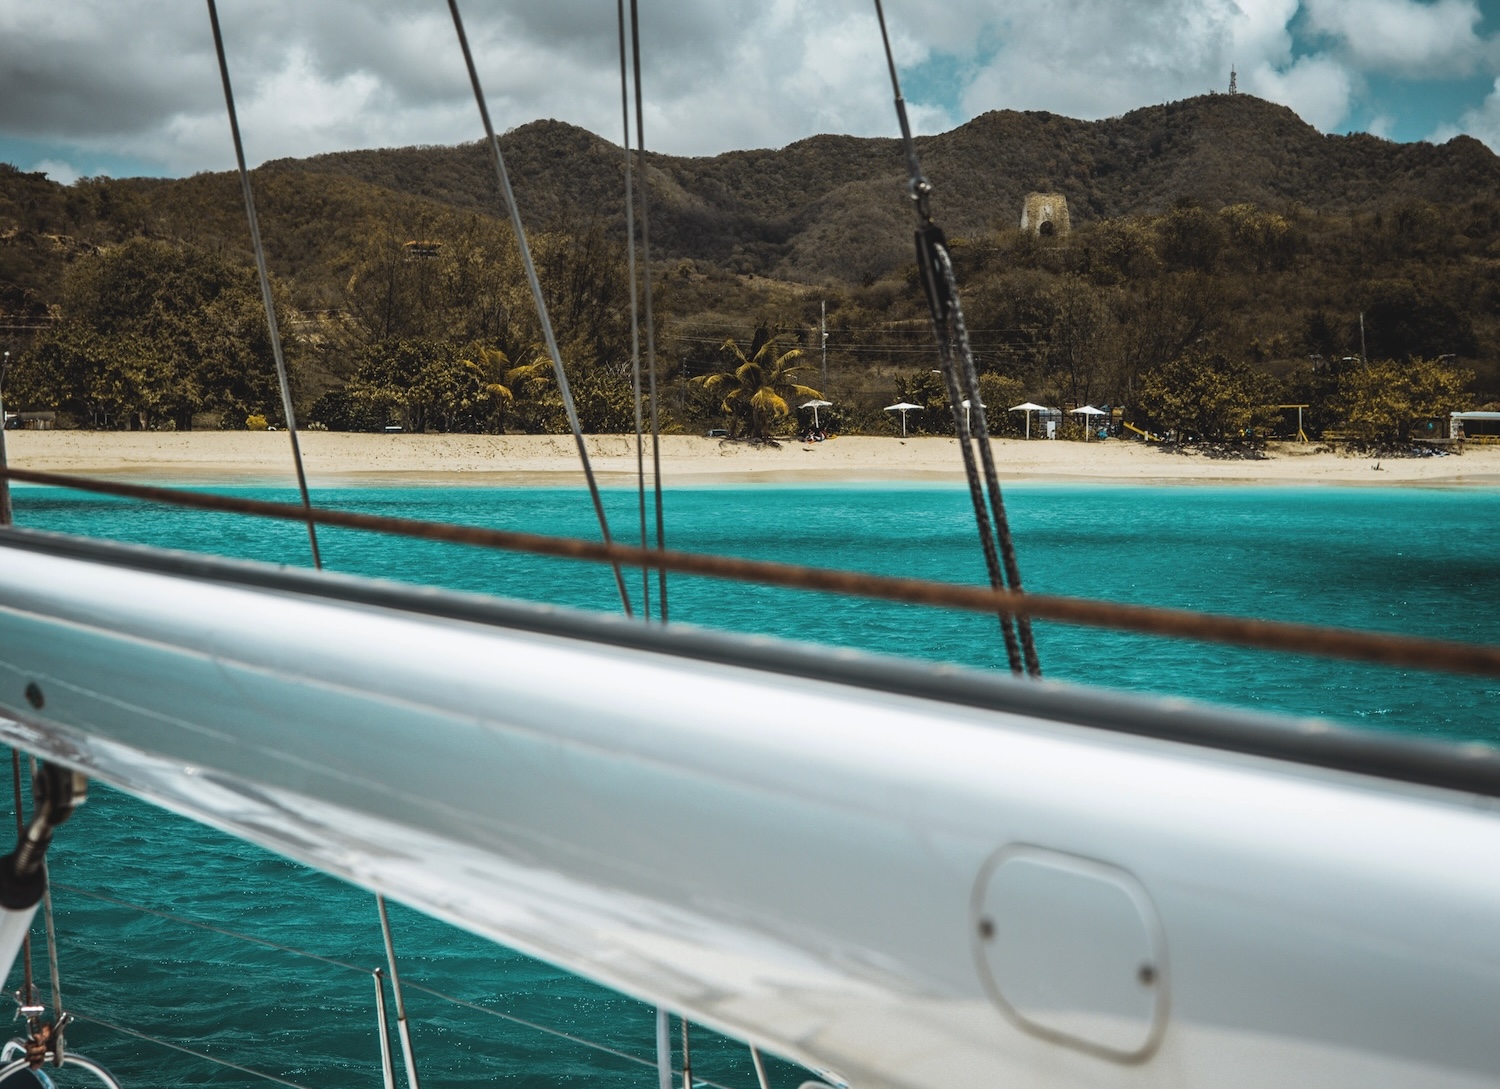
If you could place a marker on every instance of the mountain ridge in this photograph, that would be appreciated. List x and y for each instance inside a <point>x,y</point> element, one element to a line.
<point>774,211</point>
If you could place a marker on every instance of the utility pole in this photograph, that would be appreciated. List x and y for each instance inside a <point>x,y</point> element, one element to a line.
<point>1363,358</point>
<point>823,336</point>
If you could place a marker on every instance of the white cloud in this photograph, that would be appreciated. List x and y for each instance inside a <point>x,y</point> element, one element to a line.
<point>1403,36</point>
<point>1481,122</point>
<point>138,78</point>
<point>1097,58</point>
<point>60,172</point>
<point>1319,88</point>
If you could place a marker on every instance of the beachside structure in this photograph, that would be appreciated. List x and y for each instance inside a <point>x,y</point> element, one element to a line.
<point>1474,425</point>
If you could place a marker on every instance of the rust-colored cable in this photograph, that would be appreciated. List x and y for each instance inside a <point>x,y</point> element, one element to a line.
<point>1328,642</point>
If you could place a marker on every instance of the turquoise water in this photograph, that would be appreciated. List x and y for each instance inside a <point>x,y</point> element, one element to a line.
<point>1414,561</point>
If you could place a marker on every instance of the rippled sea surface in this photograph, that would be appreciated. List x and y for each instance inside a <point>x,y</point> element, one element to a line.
<point>1414,561</point>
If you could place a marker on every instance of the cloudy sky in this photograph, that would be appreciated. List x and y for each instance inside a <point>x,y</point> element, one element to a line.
<point>131,87</point>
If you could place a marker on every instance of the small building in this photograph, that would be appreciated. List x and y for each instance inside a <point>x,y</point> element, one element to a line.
<point>30,421</point>
<point>1479,426</point>
<point>1045,215</point>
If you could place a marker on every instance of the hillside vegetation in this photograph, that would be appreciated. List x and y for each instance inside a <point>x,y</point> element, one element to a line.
<point>1221,234</point>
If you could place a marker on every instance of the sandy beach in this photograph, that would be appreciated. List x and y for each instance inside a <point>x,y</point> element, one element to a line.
<point>339,459</point>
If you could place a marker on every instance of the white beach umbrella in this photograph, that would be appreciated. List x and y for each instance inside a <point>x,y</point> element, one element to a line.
<point>903,407</point>
<point>1028,407</point>
<point>816,404</point>
<point>966,403</point>
<point>1087,411</point>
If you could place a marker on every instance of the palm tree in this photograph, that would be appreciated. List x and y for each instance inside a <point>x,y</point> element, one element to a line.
<point>503,383</point>
<point>757,386</point>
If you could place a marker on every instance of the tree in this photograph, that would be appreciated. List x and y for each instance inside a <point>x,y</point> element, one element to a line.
<point>1382,401</point>
<point>757,387</point>
<point>152,334</point>
<point>431,385</point>
<point>1206,397</point>
<point>1405,321</point>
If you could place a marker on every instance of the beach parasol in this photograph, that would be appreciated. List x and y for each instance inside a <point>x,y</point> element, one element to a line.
<point>965,402</point>
<point>1028,407</point>
<point>1088,410</point>
<point>816,404</point>
<point>903,407</point>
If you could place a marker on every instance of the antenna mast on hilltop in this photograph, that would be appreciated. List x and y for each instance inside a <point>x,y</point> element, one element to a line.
<point>1234,82</point>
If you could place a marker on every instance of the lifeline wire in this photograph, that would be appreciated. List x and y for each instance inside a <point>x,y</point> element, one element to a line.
<point>292,950</point>
<point>640,143</point>
<point>1328,642</point>
<point>942,298</point>
<point>122,1030</point>
<point>536,294</point>
<point>635,327</point>
<point>265,285</point>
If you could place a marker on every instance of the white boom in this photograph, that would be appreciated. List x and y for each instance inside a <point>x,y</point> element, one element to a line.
<point>910,891</point>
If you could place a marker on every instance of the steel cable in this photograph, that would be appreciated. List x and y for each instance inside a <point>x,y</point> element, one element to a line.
<point>987,456</point>
<point>640,141</point>
<point>635,325</point>
<point>946,311</point>
<point>265,283</point>
<point>548,335</point>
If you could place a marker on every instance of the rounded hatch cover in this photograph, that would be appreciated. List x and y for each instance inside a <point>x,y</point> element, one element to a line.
<point>1072,950</point>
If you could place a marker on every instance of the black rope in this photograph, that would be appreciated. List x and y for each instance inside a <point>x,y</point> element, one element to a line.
<point>941,288</point>
<point>536,293</point>
<point>265,285</point>
<point>640,142</point>
<point>987,455</point>
<point>635,328</point>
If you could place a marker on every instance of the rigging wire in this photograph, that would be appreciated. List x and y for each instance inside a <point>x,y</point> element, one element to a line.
<point>640,140</point>
<point>987,456</point>
<point>1327,642</point>
<point>948,326</point>
<point>536,293</point>
<point>265,285</point>
<point>635,327</point>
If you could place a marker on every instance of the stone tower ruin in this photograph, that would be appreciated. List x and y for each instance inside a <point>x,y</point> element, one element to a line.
<point>1045,215</point>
